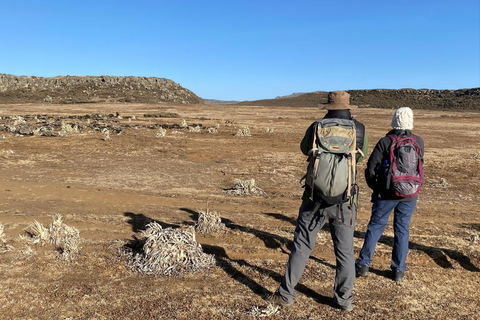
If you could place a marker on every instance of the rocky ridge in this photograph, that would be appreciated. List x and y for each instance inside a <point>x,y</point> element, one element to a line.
<point>91,89</point>
<point>454,100</point>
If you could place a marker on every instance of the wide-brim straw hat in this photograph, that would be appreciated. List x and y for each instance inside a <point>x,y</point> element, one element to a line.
<point>338,100</point>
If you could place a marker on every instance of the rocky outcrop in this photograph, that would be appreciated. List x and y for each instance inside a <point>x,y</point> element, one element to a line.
<point>91,89</point>
<point>459,100</point>
<point>463,99</point>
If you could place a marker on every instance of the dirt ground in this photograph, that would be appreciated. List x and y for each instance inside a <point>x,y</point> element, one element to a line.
<point>109,189</point>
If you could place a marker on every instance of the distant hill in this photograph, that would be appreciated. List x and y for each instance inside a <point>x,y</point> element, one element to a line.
<point>219,102</point>
<point>463,99</point>
<point>90,89</point>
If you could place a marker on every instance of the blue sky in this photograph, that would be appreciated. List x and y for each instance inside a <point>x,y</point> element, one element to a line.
<point>248,50</point>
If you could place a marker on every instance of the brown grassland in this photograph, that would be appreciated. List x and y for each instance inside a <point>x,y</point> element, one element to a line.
<point>110,189</point>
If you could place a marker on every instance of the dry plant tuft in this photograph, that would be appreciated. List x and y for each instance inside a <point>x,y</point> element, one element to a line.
<point>245,187</point>
<point>209,222</point>
<point>194,129</point>
<point>443,183</point>
<point>243,132</point>
<point>4,247</point>
<point>106,134</point>
<point>474,237</point>
<point>212,130</point>
<point>65,239</point>
<point>169,252</point>
<point>183,124</point>
<point>259,312</point>
<point>66,130</point>
<point>6,152</point>
<point>161,133</point>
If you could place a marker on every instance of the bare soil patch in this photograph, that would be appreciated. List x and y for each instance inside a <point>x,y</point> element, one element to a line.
<point>111,189</point>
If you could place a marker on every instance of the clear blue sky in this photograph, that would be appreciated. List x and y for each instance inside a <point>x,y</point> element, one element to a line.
<point>248,50</point>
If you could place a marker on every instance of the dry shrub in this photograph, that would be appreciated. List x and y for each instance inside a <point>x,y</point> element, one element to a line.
<point>65,239</point>
<point>169,252</point>
<point>194,129</point>
<point>4,247</point>
<point>259,312</point>
<point>212,130</point>
<point>209,222</point>
<point>443,183</point>
<point>245,187</point>
<point>106,134</point>
<point>243,132</point>
<point>161,133</point>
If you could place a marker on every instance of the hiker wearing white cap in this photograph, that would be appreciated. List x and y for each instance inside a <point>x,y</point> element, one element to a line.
<point>334,145</point>
<point>395,174</point>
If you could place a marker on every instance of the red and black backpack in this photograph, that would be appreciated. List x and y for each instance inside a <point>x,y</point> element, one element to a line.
<point>406,169</point>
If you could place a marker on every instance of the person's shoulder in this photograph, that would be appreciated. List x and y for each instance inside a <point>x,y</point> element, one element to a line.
<point>358,124</point>
<point>419,140</point>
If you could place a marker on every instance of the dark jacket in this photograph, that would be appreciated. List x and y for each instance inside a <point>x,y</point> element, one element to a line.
<point>373,173</point>
<point>362,139</point>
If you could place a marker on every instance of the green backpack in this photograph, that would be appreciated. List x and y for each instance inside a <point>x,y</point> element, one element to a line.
<point>331,169</point>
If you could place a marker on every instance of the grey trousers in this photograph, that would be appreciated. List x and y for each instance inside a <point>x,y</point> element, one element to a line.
<point>311,218</point>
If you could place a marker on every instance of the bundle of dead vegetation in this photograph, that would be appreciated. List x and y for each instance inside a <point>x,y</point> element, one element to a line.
<point>65,239</point>
<point>443,184</point>
<point>4,247</point>
<point>260,312</point>
<point>168,252</point>
<point>209,222</point>
<point>245,188</point>
<point>243,132</point>
<point>475,237</point>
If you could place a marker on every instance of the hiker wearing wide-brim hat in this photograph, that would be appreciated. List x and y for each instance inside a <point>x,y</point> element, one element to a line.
<point>338,100</point>
<point>316,209</point>
<point>386,196</point>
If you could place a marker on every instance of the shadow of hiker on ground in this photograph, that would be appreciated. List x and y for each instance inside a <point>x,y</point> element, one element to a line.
<point>271,241</point>
<point>228,265</point>
<point>438,255</point>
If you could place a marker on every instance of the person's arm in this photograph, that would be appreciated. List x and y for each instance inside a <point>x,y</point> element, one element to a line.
<point>422,146</point>
<point>374,162</point>
<point>306,143</point>
<point>364,147</point>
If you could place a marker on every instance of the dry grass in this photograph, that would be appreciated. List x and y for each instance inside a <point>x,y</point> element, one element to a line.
<point>4,247</point>
<point>65,239</point>
<point>161,133</point>
<point>243,132</point>
<point>443,184</point>
<point>209,222</point>
<point>93,183</point>
<point>245,188</point>
<point>169,252</point>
